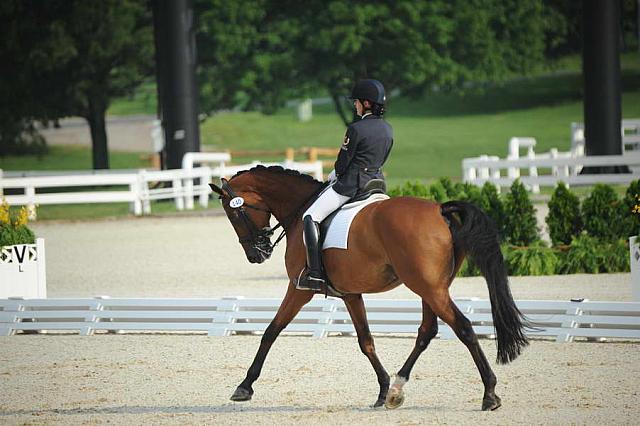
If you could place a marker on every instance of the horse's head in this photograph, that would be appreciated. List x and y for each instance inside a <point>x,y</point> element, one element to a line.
<point>249,215</point>
<point>250,198</point>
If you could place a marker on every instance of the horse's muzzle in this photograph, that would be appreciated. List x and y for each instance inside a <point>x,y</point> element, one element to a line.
<point>257,257</point>
<point>258,254</point>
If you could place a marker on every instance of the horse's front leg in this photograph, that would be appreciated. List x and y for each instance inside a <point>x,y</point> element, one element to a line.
<point>355,306</point>
<point>293,301</point>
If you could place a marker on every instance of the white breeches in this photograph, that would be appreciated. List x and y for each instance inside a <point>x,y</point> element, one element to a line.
<point>328,202</point>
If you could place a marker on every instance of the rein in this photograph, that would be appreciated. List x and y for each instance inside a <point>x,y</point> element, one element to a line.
<point>261,238</point>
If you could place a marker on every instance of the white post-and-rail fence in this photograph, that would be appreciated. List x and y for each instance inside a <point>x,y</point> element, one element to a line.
<point>136,187</point>
<point>547,169</point>
<point>322,317</point>
<point>223,170</point>
<point>629,130</point>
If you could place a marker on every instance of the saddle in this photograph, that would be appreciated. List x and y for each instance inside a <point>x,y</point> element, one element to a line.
<point>374,186</point>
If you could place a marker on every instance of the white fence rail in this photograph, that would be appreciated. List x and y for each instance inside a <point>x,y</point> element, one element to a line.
<point>547,169</point>
<point>136,187</point>
<point>320,318</point>
<point>629,130</point>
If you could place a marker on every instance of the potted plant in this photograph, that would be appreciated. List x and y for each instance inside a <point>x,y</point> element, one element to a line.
<point>22,257</point>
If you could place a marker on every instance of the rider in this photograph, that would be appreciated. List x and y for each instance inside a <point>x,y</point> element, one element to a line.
<point>364,150</point>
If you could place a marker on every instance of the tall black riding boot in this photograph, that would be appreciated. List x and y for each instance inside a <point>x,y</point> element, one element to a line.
<point>312,277</point>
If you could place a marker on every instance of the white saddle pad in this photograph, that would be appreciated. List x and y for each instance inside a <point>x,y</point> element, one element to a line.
<point>338,232</point>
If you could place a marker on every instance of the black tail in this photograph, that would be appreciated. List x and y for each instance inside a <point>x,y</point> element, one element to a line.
<point>478,237</point>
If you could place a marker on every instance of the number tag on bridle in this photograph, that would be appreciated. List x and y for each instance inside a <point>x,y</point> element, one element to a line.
<point>236,202</point>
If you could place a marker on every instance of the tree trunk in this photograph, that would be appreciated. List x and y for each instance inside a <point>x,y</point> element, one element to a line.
<point>96,119</point>
<point>338,104</point>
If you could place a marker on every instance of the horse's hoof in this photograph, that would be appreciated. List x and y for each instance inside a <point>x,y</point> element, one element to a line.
<point>379,403</point>
<point>395,398</point>
<point>490,404</point>
<point>241,394</point>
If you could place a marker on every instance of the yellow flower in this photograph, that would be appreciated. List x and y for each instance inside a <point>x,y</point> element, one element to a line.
<point>23,217</point>
<point>4,213</point>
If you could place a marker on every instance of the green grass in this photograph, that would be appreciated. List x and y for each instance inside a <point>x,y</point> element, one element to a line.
<point>434,133</point>
<point>107,210</point>
<point>143,101</point>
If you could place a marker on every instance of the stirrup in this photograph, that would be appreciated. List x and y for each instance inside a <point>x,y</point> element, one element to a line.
<point>308,282</point>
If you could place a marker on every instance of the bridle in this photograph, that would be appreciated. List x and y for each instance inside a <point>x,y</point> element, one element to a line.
<point>260,239</point>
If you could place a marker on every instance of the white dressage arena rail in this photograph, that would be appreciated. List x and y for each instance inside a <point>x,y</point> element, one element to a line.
<point>136,187</point>
<point>320,318</point>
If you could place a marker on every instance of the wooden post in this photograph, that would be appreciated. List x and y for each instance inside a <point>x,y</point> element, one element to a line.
<point>289,154</point>
<point>313,154</point>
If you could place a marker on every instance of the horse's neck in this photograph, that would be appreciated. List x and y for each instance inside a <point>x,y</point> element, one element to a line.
<point>286,197</point>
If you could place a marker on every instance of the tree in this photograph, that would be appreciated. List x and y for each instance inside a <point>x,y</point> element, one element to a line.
<point>261,53</point>
<point>247,53</point>
<point>564,30</point>
<point>564,219</point>
<point>73,57</point>
<point>520,226</point>
<point>30,51</point>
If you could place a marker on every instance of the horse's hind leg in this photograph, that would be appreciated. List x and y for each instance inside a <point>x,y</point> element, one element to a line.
<point>444,307</point>
<point>293,301</point>
<point>427,331</point>
<point>355,306</point>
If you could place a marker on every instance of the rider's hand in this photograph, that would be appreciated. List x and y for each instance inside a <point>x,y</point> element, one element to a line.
<point>332,176</point>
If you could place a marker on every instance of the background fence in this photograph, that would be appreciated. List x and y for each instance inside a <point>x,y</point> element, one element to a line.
<point>136,187</point>
<point>549,168</point>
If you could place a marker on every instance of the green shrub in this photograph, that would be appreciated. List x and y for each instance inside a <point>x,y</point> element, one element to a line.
<point>564,220</point>
<point>410,189</point>
<point>469,192</point>
<point>469,269</point>
<point>536,259</point>
<point>13,227</point>
<point>491,203</point>
<point>616,257</point>
<point>11,235</point>
<point>602,213</point>
<point>590,255</point>
<point>438,192</point>
<point>584,255</point>
<point>520,225</point>
<point>631,209</point>
<point>450,189</point>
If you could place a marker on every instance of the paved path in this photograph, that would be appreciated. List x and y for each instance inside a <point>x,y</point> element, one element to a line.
<point>130,133</point>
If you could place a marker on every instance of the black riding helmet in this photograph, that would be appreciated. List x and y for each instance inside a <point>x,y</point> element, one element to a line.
<point>370,90</point>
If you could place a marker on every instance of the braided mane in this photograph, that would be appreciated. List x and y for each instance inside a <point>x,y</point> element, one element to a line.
<point>277,170</point>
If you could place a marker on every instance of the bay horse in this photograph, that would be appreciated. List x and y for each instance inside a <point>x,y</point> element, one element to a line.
<point>399,240</point>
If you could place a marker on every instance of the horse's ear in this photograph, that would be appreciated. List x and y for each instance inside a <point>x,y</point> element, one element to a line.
<point>215,188</point>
